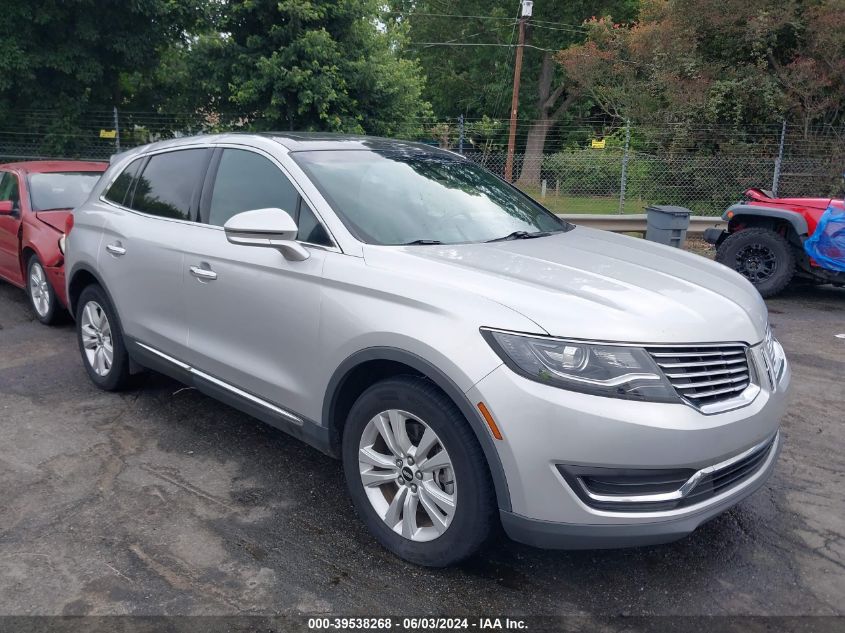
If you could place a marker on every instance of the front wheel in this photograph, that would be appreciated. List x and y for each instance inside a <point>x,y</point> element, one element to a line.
<point>41,295</point>
<point>101,341</point>
<point>416,473</point>
<point>760,255</point>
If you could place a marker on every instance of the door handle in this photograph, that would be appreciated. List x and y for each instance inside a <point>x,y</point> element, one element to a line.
<point>203,274</point>
<point>116,249</point>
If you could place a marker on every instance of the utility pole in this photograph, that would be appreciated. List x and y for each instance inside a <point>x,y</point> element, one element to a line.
<point>779,161</point>
<point>116,131</point>
<point>624,181</point>
<point>527,9</point>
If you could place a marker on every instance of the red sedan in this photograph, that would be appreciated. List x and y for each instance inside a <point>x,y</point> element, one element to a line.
<point>35,199</point>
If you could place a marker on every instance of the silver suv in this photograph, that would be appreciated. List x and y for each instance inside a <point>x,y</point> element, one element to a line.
<point>470,357</point>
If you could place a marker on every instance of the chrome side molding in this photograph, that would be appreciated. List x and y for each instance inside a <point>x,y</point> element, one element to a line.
<point>225,385</point>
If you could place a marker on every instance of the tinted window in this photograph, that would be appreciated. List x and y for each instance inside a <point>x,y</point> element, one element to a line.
<point>247,181</point>
<point>167,185</point>
<point>120,187</point>
<point>310,230</point>
<point>401,197</point>
<point>9,187</point>
<point>61,190</point>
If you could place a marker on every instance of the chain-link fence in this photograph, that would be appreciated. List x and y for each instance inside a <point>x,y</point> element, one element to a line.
<point>592,167</point>
<point>705,169</point>
<point>587,181</point>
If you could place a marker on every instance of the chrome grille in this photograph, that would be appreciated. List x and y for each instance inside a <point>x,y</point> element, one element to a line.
<point>704,374</point>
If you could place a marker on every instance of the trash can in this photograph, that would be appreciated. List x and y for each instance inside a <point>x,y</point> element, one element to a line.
<point>666,224</point>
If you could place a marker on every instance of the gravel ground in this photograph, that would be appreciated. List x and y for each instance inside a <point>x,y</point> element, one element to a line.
<point>162,501</point>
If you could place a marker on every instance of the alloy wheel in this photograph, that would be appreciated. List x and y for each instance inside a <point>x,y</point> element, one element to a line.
<point>407,475</point>
<point>756,262</point>
<point>39,290</point>
<point>97,338</point>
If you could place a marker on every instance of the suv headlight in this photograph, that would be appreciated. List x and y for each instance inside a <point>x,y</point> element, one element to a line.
<point>616,371</point>
<point>775,356</point>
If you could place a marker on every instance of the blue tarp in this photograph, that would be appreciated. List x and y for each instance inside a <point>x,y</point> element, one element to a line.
<point>827,243</point>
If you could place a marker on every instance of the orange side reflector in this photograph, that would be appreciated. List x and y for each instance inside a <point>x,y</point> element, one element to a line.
<point>730,214</point>
<point>490,421</point>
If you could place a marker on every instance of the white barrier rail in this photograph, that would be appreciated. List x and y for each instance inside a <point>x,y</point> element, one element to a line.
<point>636,223</point>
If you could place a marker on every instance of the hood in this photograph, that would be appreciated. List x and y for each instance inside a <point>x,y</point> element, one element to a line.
<point>54,218</point>
<point>756,197</point>
<point>597,285</point>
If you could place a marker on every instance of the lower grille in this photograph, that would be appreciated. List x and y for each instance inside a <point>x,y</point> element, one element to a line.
<point>645,490</point>
<point>705,375</point>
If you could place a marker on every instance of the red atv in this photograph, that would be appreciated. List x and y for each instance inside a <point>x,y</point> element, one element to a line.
<point>765,238</point>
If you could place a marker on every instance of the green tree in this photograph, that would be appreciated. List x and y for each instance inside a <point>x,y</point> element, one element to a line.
<point>72,57</point>
<point>727,62</point>
<point>306,65</point>
<point>477,80</point>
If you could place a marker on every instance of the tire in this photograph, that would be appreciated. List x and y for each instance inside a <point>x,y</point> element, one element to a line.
<point>96,326</point>
<point>762,256</point>
<point>466,481</point>
<point>41,295</point>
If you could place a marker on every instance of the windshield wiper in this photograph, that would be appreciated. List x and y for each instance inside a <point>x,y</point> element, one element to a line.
<point>421,243</point>
<point>520,235</point>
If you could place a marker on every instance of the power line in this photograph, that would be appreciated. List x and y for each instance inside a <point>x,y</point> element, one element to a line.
<point>574,26</point>
<point>510,59</point>
<point>568,29</point>
<point>428,44</point>
<point>482,17</point>
<point>448,15</point>
<point>456,40</point>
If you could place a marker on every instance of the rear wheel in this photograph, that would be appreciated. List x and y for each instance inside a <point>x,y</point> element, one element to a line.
<point>41,295</point>
<point>760,255</point>
<point>101,341</point>
<point>416,474</point>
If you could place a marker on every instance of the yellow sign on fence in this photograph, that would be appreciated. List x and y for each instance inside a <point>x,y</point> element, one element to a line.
<point>597,144</point>
<point>108,133</point>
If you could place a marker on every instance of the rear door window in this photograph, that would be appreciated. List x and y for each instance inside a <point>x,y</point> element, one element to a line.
<point>170,183</point>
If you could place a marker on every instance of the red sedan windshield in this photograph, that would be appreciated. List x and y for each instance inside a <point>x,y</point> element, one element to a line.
<point>60,190</point>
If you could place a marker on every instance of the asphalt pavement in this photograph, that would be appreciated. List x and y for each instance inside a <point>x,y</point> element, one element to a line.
<point>160,500</point>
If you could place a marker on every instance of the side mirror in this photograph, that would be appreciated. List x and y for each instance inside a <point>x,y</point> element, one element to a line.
<point>270,228</point>
<point>7,207</point>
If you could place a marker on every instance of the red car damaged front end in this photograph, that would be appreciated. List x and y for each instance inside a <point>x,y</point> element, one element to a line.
<point>48,241</point>
<point>36,200</point>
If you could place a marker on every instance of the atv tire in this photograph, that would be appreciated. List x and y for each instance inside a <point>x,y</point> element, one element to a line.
<point>760,255</point>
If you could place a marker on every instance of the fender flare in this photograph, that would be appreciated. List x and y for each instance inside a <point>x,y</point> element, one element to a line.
<point>796,220</point>
<point>78,268</point>
<point>446,384</point>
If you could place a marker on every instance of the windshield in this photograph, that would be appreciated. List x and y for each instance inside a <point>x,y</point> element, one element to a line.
<point>60,189</point>
<point>402,198</point>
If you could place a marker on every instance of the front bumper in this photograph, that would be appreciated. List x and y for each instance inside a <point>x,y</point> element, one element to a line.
<point>544,427</point>
<point>56,277</point>
<point>551,535</point>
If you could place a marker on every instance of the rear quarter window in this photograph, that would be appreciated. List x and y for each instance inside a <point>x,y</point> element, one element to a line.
<point>119,189</point>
